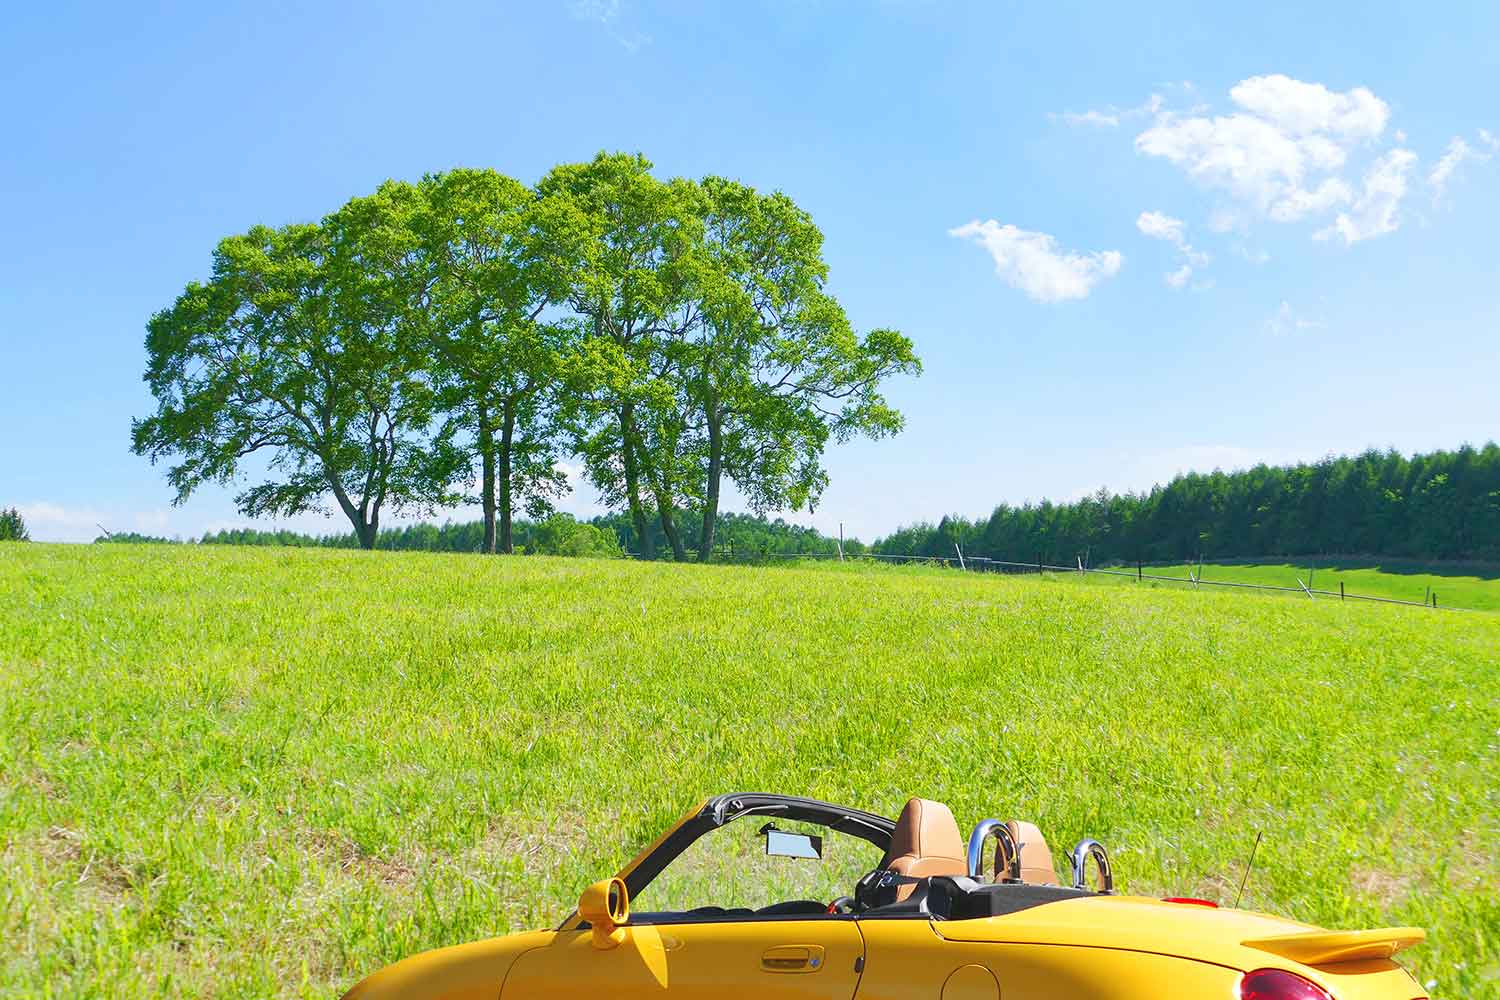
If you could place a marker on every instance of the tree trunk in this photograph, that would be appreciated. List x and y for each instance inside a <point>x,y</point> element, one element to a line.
<point>669,526</point>
<point>661,491</point>
<point>507,435</point>
<point>365,528</point>
<point>487,478</point>
<point>632,482</point>
<point>715,474</point>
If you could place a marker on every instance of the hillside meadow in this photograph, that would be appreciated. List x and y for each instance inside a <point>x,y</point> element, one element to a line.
<point>265,772</point>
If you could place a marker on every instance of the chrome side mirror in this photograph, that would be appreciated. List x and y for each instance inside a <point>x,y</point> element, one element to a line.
<point>1001,832</point>
<point>1080,859</point>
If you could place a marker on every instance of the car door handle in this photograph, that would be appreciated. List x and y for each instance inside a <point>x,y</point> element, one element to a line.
<point>793,958</point>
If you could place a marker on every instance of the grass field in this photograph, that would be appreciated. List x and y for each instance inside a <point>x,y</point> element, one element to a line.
<point>1474,586</point>
<point>260,772</point>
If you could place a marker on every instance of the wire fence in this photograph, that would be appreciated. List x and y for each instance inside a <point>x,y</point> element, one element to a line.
<point>984,564</point>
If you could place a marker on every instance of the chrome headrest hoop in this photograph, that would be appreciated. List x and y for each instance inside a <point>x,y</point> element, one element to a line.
<point>982,831</point>
<point>1080,858</point>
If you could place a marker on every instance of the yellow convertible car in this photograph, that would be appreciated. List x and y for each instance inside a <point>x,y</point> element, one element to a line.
<point>918,917</point>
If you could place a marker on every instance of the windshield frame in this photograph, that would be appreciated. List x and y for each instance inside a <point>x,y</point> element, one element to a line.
<point>722,810</point>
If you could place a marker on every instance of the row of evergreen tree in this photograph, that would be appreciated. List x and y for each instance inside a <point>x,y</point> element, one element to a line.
<point>1444,505</point>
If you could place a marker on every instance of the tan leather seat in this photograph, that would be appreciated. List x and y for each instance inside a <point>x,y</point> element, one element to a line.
<point>1036,856</point>
<point>926,842</point>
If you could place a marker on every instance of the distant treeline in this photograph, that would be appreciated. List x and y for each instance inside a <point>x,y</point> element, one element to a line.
<point>739,536</point>
<point>1443,505</point>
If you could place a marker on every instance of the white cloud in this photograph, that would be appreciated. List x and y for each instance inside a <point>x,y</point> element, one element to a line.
<point>1488,138</point>
<point>1282,154</point>
<point>1101,118</point>
<point>1286,321</point>
<point>1311,109</point>
<point>1458,151</point>
<point>1033,263</point>
<point>1252,160</point>
<point>1299,204</point>
<point>1377,211</point>
<point>1110,117</point>
<point>1159,226</point>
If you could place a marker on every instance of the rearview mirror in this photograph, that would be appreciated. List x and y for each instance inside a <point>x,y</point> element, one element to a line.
<point>780,844</point>
<point>606,906</point>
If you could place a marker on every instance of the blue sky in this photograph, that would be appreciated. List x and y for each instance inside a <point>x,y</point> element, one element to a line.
<point>1020,191</point>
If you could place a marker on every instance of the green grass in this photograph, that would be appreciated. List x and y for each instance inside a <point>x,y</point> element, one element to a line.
<point>254,772</point>
<point>1475,586</point>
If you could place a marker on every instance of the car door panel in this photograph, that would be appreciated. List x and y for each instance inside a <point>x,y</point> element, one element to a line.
<point>812,959</point>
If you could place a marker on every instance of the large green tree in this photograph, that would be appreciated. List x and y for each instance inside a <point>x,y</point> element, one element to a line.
<point>304,347</point>
<point>774,368</point>
<point>627,292</point>
<point>498,257</point>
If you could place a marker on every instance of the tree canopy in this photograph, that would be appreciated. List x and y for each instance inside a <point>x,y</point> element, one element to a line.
<point>303,346</point>
<point>454,339</point>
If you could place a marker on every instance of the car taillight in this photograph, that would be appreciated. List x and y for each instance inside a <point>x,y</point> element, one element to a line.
<point>1274,984</point>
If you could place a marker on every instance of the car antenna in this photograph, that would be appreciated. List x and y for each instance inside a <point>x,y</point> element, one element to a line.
<point>1248,865</point>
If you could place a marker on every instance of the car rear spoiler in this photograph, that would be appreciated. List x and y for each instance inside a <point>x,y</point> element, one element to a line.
<point>1333,947</point>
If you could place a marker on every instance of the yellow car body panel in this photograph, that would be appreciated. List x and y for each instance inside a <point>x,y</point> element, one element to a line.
<point>1320,947</point>
<point>910,959</point>
<point>464,972</point>
<point>775,959</point>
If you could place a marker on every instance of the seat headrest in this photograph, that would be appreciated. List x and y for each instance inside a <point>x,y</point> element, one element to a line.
<point>926,842</point>
<point>1036,856</point>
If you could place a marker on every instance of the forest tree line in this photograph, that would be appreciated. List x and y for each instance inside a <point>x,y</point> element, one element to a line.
<point>1444,505</point>
<point>740,536</point>
<point>452,341</point>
